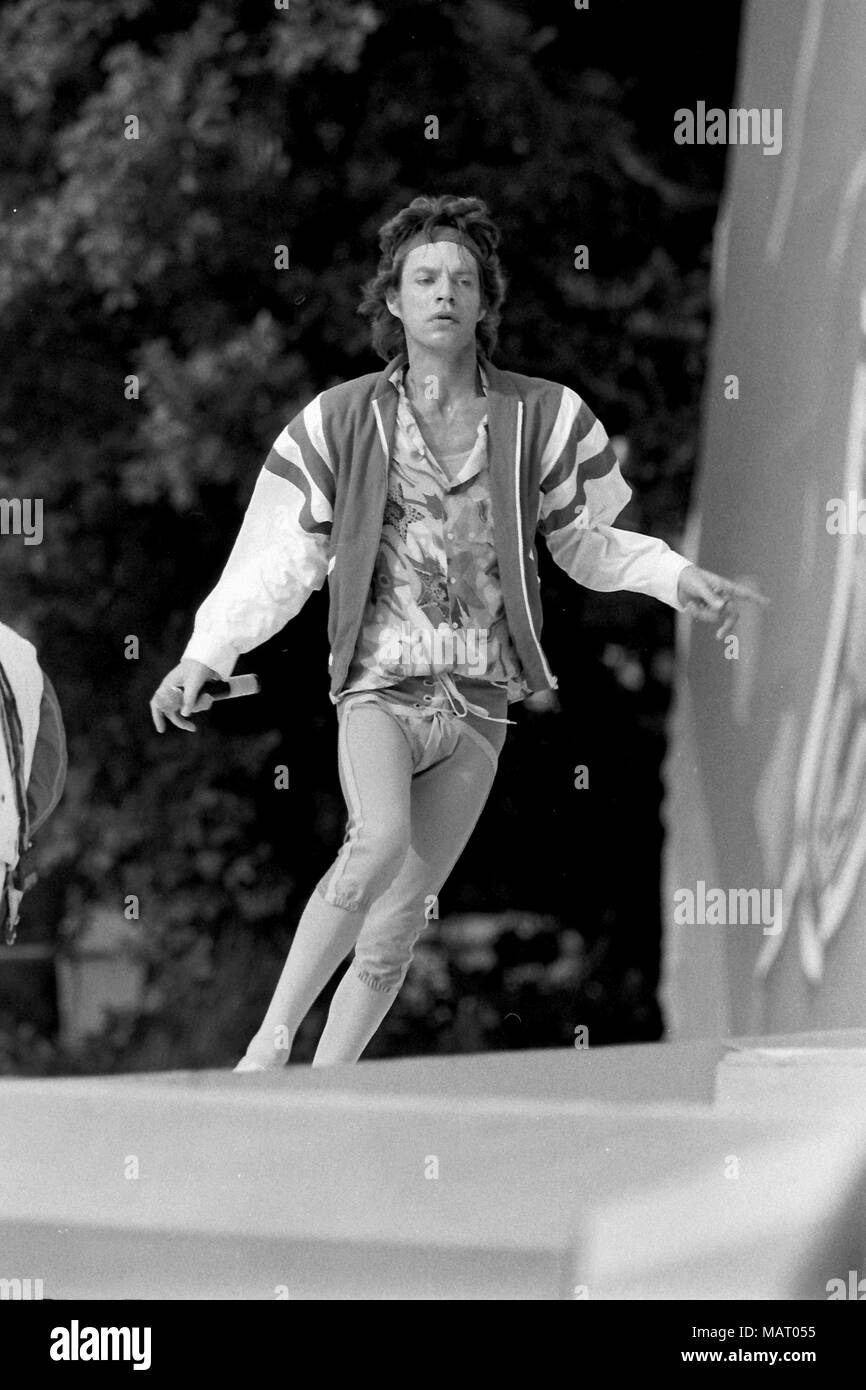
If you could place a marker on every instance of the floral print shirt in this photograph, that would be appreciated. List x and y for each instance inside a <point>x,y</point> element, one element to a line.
<point>435,603</point>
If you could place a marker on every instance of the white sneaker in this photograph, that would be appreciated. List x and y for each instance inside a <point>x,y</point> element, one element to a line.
<point>247,1064</point>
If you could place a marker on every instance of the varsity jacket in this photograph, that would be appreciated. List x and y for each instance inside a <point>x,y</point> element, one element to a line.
<point>317,509</point>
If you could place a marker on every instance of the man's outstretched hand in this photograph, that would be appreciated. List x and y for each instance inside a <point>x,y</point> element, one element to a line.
<point>708,597</point>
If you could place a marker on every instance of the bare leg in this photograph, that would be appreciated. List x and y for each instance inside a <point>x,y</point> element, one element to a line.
<point>324,937</point>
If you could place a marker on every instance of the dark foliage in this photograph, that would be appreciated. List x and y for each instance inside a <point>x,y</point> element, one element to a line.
<point>153,257</point>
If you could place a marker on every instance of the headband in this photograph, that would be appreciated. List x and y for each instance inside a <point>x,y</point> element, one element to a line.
<point>439,234</point>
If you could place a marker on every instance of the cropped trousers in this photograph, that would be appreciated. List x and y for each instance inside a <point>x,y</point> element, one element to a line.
<point>416,764</point>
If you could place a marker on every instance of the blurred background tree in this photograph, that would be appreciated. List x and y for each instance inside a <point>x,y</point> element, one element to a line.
<point>153,257</point>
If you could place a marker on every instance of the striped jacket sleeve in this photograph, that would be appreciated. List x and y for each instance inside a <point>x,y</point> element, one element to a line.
<point>582,493</point>
<point>280,554</point>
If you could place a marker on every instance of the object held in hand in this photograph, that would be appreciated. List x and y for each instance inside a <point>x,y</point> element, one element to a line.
<point>214,690</point>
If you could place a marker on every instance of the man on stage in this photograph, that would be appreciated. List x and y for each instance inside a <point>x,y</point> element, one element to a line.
<point>417,492</point>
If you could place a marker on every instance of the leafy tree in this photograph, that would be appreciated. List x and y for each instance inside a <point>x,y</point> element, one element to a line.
<point>151,160</point>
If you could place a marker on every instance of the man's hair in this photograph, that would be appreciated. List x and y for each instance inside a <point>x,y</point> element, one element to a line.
<point>469,216</point>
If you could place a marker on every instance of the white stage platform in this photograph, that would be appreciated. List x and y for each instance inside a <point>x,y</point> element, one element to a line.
<point>656,1171</point>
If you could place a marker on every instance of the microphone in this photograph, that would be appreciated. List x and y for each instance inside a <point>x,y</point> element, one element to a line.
<point>231,689</point>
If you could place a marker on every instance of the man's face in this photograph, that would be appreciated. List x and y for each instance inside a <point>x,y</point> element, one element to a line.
<point>439,299</point>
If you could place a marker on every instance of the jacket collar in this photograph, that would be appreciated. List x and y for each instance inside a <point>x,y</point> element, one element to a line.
<point>503,422</point>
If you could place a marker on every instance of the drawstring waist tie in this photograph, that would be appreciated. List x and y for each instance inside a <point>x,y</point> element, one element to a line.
<point>458,703</point>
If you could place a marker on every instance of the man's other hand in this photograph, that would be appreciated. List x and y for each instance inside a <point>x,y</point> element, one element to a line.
<point>708,597</point>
